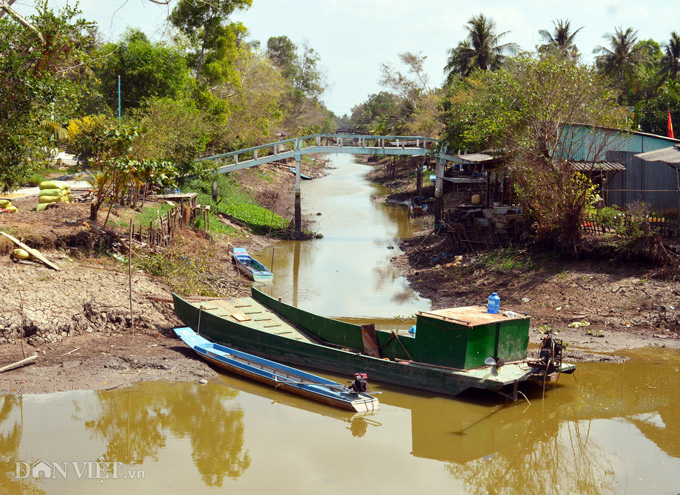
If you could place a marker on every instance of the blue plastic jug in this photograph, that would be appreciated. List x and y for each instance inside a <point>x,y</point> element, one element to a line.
<point>494,304</point>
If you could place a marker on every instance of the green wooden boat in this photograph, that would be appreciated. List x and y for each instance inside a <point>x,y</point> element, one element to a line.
<point>452,350</point>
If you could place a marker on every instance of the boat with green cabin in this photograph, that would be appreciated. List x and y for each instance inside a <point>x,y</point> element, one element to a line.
<point>452,350</point>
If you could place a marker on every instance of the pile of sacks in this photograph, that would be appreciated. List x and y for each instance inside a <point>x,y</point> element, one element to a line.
<point>6,206</point>
<point>53,191</point>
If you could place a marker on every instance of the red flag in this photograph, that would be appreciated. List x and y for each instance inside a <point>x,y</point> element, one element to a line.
<point>670,125</point>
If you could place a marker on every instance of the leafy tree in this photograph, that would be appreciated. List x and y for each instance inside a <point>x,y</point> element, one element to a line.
<point>283,54</point>
<point>561,40</point>
<point>214,39</point>
<point>309,80</point>
<point>146,70</point>
<point>670,68</point>
<point>651,115</point>
<point>417,111</point>
<point>255,108</point>
<point>174,131</point>
<point>108,149</point>
<point>483,49</point>
<point>379,114</point>
<point>302,110</point>
<point>41,68</point>
<point>647,78</point>
<point>521,112</point>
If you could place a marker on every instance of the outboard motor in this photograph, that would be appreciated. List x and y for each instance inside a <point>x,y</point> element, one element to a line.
<point>550,353</point>
<point>360,383</point>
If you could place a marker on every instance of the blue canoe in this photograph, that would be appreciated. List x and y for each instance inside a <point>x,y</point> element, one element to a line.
<point>250,266</point>
<point>280,376</point>
<point>302,176</point>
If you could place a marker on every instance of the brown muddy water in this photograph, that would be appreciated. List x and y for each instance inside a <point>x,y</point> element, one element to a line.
<point>616,430</point>
<point>346,273</point>
<point>610,428</point>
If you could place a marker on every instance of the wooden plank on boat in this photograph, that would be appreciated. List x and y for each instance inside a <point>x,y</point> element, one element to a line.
<point>240,317</point>
<point>471,315</point>
<point>370,340</point>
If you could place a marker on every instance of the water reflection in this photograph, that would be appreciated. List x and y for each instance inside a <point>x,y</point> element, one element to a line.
<point>11,431</point>
<point>134,424</point>
<point>615,431</point>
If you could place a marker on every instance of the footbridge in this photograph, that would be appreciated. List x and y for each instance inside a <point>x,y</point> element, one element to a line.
<point>354,144</point>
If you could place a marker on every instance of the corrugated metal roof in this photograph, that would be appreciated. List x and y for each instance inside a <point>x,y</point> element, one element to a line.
<point>667,155</point>
<point>586,166</point>
<point>477,157</point>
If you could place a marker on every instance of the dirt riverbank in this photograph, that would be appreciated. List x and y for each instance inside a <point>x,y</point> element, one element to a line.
<point>87,302</point>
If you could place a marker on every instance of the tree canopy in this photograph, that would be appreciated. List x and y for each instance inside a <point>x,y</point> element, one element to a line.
<point>481,50</point>
<point>521,112</point>
<point>146,70</point>
<point>40,69</point>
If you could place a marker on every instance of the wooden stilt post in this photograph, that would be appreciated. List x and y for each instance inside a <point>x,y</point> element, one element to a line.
<point>439,192</point>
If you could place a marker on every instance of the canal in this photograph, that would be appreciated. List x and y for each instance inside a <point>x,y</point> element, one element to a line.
<point>610,428</point>
<point>347,272</point>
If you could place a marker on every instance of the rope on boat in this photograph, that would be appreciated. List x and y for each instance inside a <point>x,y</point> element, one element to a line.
<point>338,388</point>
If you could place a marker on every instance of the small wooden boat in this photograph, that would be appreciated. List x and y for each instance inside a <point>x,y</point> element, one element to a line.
<point>250,266</point>
<point>350,398</point>
<point>416,209</point>
<point>302,176</point>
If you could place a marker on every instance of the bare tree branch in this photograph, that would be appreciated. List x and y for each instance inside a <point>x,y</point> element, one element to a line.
<point>5,5</point>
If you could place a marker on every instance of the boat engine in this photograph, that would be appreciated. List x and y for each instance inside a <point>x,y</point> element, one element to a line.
<point>360,383</point>
<point>551,352</point>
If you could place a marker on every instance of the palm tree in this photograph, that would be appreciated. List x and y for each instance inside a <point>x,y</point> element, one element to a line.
<point>623,56</point>
<point>460,63</point>
<point>561,39</point>
<point>481,50</point>
<point>671,59</point>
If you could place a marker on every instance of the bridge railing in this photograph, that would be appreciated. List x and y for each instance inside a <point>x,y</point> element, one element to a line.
<point>320,143</point>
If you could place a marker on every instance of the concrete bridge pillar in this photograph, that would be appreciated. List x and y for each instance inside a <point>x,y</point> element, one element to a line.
<point>298,208</point>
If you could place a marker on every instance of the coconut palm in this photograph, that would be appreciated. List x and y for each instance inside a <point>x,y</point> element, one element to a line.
<point>560,40</point>
<point>481,50</point>
<point>623,55</point>
<point>460,63</point>
<point>671,59</point>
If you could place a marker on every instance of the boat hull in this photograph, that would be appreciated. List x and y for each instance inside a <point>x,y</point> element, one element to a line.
<point>250,267</point>
<point>280,376</point>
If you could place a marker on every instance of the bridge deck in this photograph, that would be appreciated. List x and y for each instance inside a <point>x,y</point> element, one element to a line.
<point>347,144</point>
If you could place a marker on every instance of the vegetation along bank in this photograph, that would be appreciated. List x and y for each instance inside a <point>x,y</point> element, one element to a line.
<point>539,201</point>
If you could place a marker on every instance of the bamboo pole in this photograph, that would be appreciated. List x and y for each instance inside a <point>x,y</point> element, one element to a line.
<point>132,314</point>
<point>18,364</point>
<point>23,323</point>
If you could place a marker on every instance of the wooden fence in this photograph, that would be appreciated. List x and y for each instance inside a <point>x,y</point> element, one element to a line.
<point>594,224</point>
<point>183,213</point>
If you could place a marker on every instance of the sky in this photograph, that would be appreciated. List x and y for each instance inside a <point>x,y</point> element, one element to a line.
<point>355,37</point>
